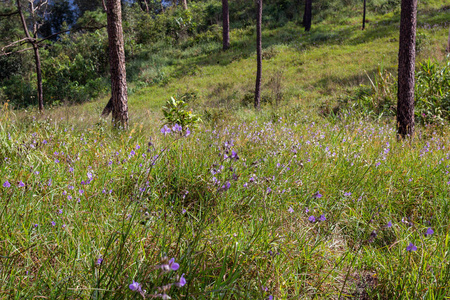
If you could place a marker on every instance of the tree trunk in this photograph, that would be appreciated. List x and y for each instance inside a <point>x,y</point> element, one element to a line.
<point>40,91</point>
<point>37,57</point>
<point>406,67</point>
<point>119,97</point>
<point>226,25</point>
<point>364,16</point>
<point>258,54</point>
<point>307,15</point>
<point>184,3</point>
<point>448,44</point>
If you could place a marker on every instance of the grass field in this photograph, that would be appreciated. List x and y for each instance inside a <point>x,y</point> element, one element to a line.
<point>287,202</point>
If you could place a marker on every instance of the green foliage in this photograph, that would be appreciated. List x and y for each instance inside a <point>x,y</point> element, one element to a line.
<point>432,103</point>
<point>176,112</point>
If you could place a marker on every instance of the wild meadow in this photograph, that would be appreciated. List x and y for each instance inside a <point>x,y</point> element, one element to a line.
<point>312,197</point>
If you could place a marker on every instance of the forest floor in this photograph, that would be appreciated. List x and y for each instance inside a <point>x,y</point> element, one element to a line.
<point>308,198</point>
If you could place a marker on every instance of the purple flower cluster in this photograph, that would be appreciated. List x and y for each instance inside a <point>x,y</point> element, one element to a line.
<point>166,266</point>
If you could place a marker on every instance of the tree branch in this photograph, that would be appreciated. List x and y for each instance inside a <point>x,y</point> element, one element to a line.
<point>9,14</point>
<point>18,51</point>
<point>16,42</point>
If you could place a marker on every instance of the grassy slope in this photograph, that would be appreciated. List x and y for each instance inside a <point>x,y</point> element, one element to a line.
<point>239,242</point>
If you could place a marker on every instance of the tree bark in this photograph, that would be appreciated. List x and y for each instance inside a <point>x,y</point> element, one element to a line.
<point>119,96</point>
<point>307,15</point>
<point>364,16</point>
<point>258,54</point>
<point>406,68</point>
<point>184,3</point>
<point>226,25</point>
<point>448,44</point>
<point>37,57</point>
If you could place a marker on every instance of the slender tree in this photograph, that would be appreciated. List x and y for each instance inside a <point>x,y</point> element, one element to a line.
<point>448,43</point>
<point>258,54</point>
<point>118,104</point>
<point>33,40</point>
<point>307,15</point>
<point>364,16</point>
<point>184,4</point>
<point>226,25</point>
<point>406,66</point>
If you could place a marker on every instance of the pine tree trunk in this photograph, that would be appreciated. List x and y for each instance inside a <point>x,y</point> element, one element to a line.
<point>364,16</point>
<point>119,96</point>
<point>406,68</point>
<point>307,15</point>
<point>40,90</point>
<point>226,25</point>
<point>448,44</point>
<point>258,54</point>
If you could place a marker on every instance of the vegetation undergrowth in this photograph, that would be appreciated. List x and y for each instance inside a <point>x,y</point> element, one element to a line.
<point>295,201</point>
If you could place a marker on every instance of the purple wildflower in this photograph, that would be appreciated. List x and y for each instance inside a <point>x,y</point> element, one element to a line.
<point>168,265</point>
<point>6,184</point>
<point>135,286</point>
<point>177,128</point>
<point>234,155</point>
<point>181,282</point>
<point>317,195</point>
<point>99,261</point>
<point>53,223</point>
<point>165,130</point>
<point>429,231</point>
<point>411,247</point>
<point>322,218</point>
<point>312,219</point>
<point>389,224</point>
<point>21,184</point>
<point>187,132</point>
<point>291,210</point>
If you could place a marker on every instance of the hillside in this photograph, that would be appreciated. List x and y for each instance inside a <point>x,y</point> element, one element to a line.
<point>312,197</point>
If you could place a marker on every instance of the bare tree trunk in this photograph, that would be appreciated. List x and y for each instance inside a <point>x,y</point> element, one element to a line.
<point>364,16</point>
<point>40,90</point>
<point>258,54</point>
<point>406,68</point>
<point>184,3</point>
<point>307,15</point>
<point>119,96</point>
<point>226,25</point>
<point>448,44</point>
<point>37,57</point>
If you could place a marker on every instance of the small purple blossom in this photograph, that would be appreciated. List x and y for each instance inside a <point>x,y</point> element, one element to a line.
<point>322,218</point>
<point>135,286</point>
<point>181,282</point>
<point>53,223</point>
<point>317,195</point>
<point>21,184</point>
<point>429,231</point>
<point>165,130</point>
<point>312,219</point>
<point>177,128</point>
<point>169,265</point>
<point>6,184</point>
<point>99,261</point>
<point>389,224</point>
<point>411,247</point>
<point>291,210</point>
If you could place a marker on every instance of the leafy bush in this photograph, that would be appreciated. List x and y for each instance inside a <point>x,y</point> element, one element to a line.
<point>175,112</point>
